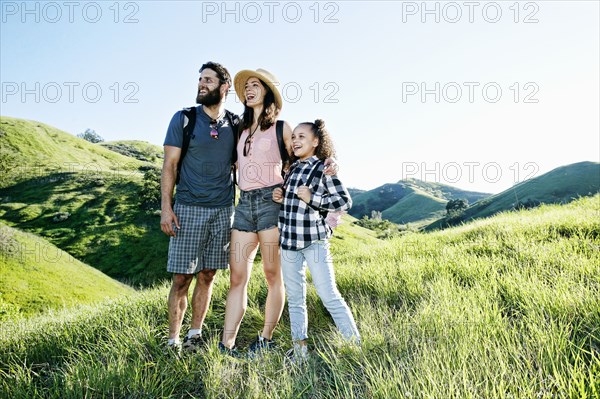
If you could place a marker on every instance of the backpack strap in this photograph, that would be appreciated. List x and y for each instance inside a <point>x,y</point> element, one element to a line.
<point>189,122</point>
<point>283,152</point>
<point>235,123</point>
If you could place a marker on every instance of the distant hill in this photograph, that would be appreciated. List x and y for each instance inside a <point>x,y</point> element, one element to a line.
<point>410,201</point>
<point>30,149</point>
<point>417,206</point>
<point>559,186</point>
<point>37,276</point>
<point>355,191</point>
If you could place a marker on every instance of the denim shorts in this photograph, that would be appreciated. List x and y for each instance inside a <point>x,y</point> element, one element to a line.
<point>256,211</point>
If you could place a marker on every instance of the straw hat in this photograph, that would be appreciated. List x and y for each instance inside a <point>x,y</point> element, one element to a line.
<point>267,77</point>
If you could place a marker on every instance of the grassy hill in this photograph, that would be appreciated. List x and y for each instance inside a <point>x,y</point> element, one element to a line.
<point>30,149</point>
<point>140,150</point>
<point>83,198</point>
<point>418,206</point>
<point>444,191</point>
<point>36,276</point>
<point>97,218</point>
<point>409,201</point>
<point>560,185</point>
<point>504,307</point>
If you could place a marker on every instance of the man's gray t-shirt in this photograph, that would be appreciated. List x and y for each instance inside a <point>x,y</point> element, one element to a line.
<point>206,170</point>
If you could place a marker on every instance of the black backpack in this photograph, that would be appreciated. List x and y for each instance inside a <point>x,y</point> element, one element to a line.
<point>189,122</point>
<point>283,152</point>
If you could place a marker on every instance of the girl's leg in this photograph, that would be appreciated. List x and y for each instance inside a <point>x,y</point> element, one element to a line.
<point>269,250</point>
<point>294,277</point>
<point>243,249</point>
<point>320,264</point>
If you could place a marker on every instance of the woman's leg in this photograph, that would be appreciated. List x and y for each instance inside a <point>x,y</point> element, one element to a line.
<point>243,250</point>
<point>294,277</point>
<point>269,250</point>
<point>320,264</point>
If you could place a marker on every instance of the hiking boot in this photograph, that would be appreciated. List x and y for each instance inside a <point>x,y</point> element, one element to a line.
<point>261,344</point>
<point>192,344</point>
<point>233,352</point>
<point>298,355</point>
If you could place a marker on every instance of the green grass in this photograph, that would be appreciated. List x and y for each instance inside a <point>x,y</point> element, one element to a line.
<point>36,276</point>
<point>507,307</point>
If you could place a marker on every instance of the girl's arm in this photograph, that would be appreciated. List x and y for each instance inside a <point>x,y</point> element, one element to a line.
<point>331,195</point>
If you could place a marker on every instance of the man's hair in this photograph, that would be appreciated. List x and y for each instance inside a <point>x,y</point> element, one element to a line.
<point>219,69</point>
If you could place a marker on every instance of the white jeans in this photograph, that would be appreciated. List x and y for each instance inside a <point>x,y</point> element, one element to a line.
<point>319,261</point>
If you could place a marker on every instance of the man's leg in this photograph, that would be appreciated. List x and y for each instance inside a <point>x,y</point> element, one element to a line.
<point>177,302</point>
<point>201,297</point>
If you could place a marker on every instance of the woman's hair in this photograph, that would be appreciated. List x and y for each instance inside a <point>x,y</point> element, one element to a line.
<point>268,115</point>
<point>325,148</point>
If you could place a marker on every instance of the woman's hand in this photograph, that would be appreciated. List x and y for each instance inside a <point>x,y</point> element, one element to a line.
<point>304,193</point>
<point>331,167</point>
<point>278,195</point>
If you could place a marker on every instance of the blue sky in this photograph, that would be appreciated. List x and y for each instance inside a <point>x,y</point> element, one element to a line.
<point>479,95</point>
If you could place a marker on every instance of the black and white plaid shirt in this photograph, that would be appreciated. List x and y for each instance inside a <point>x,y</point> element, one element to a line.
<point>300,224</point>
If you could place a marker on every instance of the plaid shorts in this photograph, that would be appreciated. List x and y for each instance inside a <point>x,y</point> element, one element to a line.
<point>202,242</point>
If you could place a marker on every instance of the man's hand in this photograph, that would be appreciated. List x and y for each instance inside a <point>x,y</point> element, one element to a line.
<point>304,193</point>
<point>167,218</point>
<point>278,195</point>
<point>331,167</point>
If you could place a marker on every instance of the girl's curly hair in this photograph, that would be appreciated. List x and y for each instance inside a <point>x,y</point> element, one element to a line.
<point>325,147</point>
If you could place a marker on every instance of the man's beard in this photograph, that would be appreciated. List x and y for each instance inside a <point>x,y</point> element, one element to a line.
<point>213,97</point>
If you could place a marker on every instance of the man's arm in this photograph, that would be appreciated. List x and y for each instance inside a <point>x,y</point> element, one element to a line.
<point>167,184</point>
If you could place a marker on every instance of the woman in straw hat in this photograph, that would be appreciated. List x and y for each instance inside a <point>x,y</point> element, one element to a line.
<point>260,168</point>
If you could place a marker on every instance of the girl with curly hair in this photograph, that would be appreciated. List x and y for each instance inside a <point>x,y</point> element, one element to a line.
<point>307,195</point>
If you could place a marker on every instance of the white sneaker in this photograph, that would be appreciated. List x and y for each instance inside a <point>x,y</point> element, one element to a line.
<point>298,355</point>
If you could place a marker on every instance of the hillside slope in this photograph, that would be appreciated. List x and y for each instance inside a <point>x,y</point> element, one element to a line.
<point>140,150</point>
<point>409,201</point>
<point>505,307</point>
<point>417,206</point>
<point>30,149</point>
<point>97,218</point>
<point>36,276</point>
<point>559,186</point>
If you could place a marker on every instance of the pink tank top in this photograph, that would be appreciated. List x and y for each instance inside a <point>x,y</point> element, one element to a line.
<point>262,167</point>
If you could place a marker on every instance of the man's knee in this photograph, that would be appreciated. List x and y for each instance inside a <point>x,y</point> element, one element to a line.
<point>181,282</point>
<point>206,276</point>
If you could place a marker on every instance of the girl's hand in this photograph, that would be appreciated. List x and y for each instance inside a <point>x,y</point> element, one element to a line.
<point>278,195</point>
<point>304,193</point>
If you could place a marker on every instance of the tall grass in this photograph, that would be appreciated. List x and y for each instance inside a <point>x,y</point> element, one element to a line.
<point>507,307</point>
